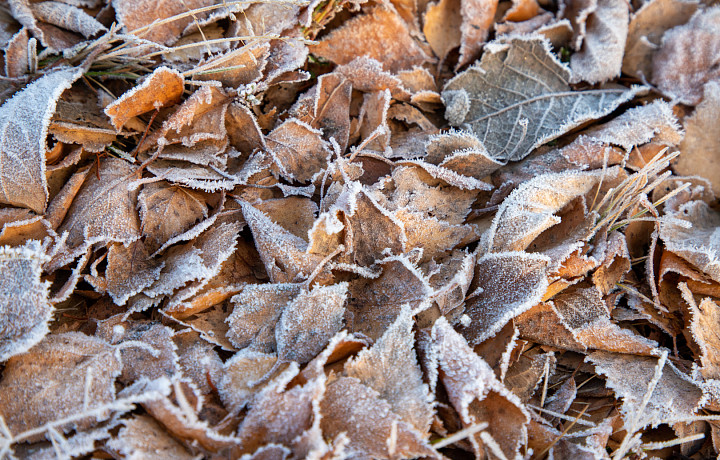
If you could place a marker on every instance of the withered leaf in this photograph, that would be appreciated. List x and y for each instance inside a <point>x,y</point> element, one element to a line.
<point>478,16</point>
<point>701,147</point>
<point>169,210</point>
<point>162,88</point>
<point>386,38</point>
<point>67,17</point>
<point>63,376</point>
<point>675,396</point>
<point>442,26</point>
<point>130,270</point>
<point>683,75</point>
<point>247,366</point>
<point>476,393</point>
<point>298,149</point>
<point>139,16</point>
<point>372,427</point>
<point>24,307</point>
<point>390,367</point>
<point>513,115</point>
<point>24,121</point>
<point>105,207</point>
<point>141,436</point>
<point>705,318</point>
<point>506,285</point>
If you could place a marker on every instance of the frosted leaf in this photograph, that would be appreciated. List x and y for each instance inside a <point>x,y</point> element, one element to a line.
<point>450,279</point>
<point>510,283</point>
<point>372,231</point>
<point>24,121</point>
<point>309,321</point>
<point>523,377</point>
<point>330,109</point>
<point>373,429</point>
<point>140,14</point>
<point>513,115</point>
<point>298,150</point>
<point>701,146</point>
<point>243,130</point>
<point>130,270</point>
<point>80,444</point>
<point>647,26</point>
<point>442,26</point>
<point>246,367</point>
<point>374,303</point>
<point>600,57</point>
<point>582,310</point>
<point>143,437</point>
<point>16,54</point>
<point>703,326</point>
<point>269,452</point>
<point>279,415</point>
<point>385,37</point>
<point>522,10</point>
<point>295,214</point>
<point>60,377</point>
<point>543,324</point>
<point>615,264</point>
<point>675,397</point>
<point>105,208</point>
<point>19,225</point>
<point>283,253</point>
<point>530,209</point>
<point>478,17</point>
<point>682,75</point>
<point>162,88</point>
<point>366,74</point>
<point>199,118</point>
<point>195,176</point>
<point>24,307</point>
<point>235,68</point>
<point>182,264</point>
<point>563,398</point>
<point>699,243</point>
<point>156,359</point>
<point>256,311</point>
<point>476,394</point>
<point>168,210</point>
<point>461,152</point>
<point>67,17</point>
<point>390,367</point>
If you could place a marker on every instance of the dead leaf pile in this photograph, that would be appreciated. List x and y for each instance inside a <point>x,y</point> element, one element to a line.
<point>360,229</point>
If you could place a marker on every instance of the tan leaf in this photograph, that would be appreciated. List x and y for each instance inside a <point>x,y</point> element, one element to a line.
<point>168,210</point>
<point>298,150</point>
<point>245,368</point>
<point>130,270</point>
<point>373,118</point>
<point>701,147</point>
<point>478,17</point>
<point>543,324</point>
<point>505,285</point>
<point>705,318</point>
<point>647,25</point>
<point>477,395</point>
<point>24,123</point>
<point>138,17</point>
<point>603,47</point>
<point>19,225</point>
<point>198,361</point>
<point>698,243</point>
<point>675,396</point>
<point>386,38</point>
<point>390,367</point>
<point>61,377</point>
<point>24,307</point>
<point>522,10</point>
<point>524,376</point>
<point>329,110</point>
<point>16,54</point>
<point>67,17</point>
<point>162,88</point>
<point>141,436</point>
<point>373,429</point>
<point>682,75</point>
<point>442,26</point>
<point>105,207</point>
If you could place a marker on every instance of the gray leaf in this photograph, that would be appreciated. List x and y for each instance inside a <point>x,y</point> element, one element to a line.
<point>518,97</point>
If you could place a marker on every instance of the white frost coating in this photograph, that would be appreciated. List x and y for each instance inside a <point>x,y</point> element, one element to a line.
<point>24,122</point>
<point>520,98</point>
<point>449,176</point>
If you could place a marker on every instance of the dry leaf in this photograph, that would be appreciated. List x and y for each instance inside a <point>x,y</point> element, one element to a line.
<point>298,150</point>
<point>478,16</point>
<point>701,146</point>
<point>162,88</point>
<point>682,75</point>
<point>61,378</point>
<point>24,123</point>
<point>138,17</point>
<point>385,37</point>
<point>705,318</point>
<point>130,270</point>
<point>24,307</point>
<point>442,26</point>
<point>512,116</point>
<point>67,17</point>
<point>142,436</point>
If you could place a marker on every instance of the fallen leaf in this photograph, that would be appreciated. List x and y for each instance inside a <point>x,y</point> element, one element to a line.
<point>130,270</point>
<point>442,26</point>
<point>24,123</point>
<point>142,436</point>
<point>511,123</point>
<point>67,17</point>
<point>478,16</point>
<point>155,21</point>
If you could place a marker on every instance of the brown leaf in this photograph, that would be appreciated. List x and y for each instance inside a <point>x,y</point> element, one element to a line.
<point>130,270</point>
<point>372,427</point>
<point>105,207</point>
<point>442,27</point>
<point>168,210</point>
<point>298,150</point>
<point>505,285</point>
<point>239,373</point>
<point>682,75</point>
<point>385,37</point>
<point>700,147</point>
<point>24,307</point>
<point>67,17</point>
<point>390,367</point>
<point>705,318</point>
<point>63,376</point>
<point>477,395</point>
<point>162,88</point>
<point>522,10</point>
<point>478,17</point>
<point>141,436</point>
<point>329,109</point>
<point>24,123</point>
<point>647,26</point>
<point>138,16</point>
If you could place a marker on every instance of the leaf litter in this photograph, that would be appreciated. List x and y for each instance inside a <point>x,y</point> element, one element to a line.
<point>359,229</point>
